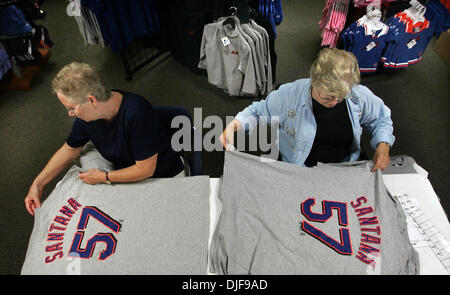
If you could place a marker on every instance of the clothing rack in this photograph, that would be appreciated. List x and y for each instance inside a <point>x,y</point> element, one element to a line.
<point>240,8</point>
<point>25,68</point>
<point>4,37</point>
<point>133,30</point>
<point>139,54</point>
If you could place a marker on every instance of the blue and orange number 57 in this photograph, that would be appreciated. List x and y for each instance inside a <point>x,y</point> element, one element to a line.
<point>107,238</point>
<point>344,246</point>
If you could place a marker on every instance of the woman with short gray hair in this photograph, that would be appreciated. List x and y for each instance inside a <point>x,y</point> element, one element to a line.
<point>321,118</point>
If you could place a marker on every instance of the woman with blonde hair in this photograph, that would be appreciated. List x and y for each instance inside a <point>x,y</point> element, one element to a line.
<point>321,118</point>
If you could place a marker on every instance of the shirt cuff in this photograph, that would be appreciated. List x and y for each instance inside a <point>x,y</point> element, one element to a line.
<point>389,139</point>
<point>248,121</point>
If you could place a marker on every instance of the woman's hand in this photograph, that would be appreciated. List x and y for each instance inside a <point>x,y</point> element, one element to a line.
<point>381,157</point>
<point>92,176</point>
<point>227,136</point>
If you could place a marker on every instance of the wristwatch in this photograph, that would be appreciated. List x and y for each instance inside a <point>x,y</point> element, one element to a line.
<point>108,181</point>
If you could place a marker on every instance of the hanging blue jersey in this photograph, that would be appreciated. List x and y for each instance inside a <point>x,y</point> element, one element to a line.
<point>272,11</point>
<point>409,41</point>
<point>436,12</point>
<point>366,44</point>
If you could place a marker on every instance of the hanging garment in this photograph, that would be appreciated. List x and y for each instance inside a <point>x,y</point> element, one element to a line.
<point>21,38</point>
<point>187,19</point>
<point>272,11</point>
<point>366,40</point>
<point>41,37</point>
<point>226,56</point>
<point>446,4</point>
<point>5,62</point>
<point>255,46</point>
<point>411,36</point>
<point>236,57</point>
<point>278,218</point>
<point>268,31</point>
<point>122,22</point>
<point>333,21</point>
<point>438,14</point>
<point>361,3</point>
<point>21,49</point>
<point>13,22</point>
<point>87,23</point>
<point>265,57</point>
<point>158,226</point>
<point>413,28</point>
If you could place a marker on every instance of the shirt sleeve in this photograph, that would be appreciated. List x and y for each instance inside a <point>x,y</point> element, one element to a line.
<point>247,68</point>
<point>202,64</point>
<point>376,118</point>
<point>144,133</point>
<point>266,110</point>
<point>78,136</point>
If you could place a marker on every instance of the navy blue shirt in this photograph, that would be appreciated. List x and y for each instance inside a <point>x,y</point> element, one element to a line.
<point>134,134</point>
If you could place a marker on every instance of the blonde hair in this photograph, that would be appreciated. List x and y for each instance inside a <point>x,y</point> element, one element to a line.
<point>334,72</point>
<point>78,80</point>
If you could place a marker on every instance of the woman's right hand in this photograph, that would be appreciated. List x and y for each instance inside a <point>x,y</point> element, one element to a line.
<point>227,136</point>
<point>33,199</point>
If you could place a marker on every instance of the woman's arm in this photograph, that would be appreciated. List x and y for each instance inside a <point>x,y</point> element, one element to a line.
<point>265,110</point>
<point>376,118</point>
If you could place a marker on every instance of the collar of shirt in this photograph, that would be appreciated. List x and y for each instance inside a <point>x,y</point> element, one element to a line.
<point>229,33</point>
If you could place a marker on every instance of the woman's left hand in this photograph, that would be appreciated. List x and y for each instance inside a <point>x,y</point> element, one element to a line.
<point>381,157</point>
<point>92,176</point>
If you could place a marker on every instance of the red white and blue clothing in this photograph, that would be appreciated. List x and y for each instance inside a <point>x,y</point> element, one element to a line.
<point>367,41</point>
<point>410,39</point>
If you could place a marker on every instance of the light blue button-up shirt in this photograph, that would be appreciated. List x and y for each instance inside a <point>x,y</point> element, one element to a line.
<point>291,107</point>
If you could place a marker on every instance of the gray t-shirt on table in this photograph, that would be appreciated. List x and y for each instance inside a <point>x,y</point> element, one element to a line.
<point>156,226</point>
<point>279,218</point>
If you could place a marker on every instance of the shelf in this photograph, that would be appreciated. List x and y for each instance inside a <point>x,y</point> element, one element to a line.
<point>30,73</point>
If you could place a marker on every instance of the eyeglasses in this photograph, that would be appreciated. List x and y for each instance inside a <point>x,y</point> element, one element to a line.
<point>335,99</point>
<point>71,111</point>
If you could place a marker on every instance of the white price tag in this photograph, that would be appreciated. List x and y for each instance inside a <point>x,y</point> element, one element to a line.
<point>225,41</point>
<point>411,43</point>
<point>370,46</point>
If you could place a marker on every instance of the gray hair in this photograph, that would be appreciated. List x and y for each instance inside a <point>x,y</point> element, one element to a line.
<point>334,72</point>
<point>78,80</point>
